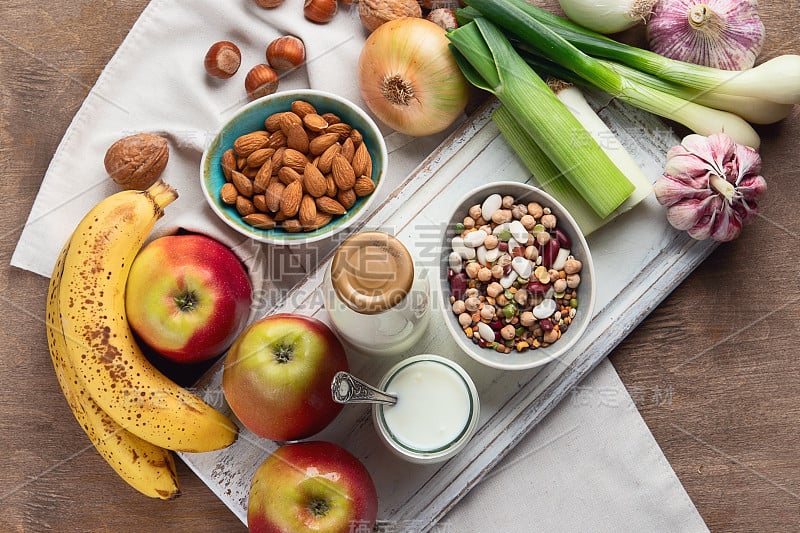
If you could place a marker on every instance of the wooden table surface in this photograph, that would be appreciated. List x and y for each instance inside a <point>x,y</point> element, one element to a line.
<point>715,370</point>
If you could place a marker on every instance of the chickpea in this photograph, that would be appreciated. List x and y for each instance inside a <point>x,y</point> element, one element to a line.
<point>535,209</point>
<point>472,270</point>
<point>543,238</point>
<point>531,253</point>
<point>475,211</point>
<point>560,285</point>
<point>553,275</point>
<point>491,241</point>
<point>494,290</point>
<point>528,222</point>
<point>464,320</point>
<point>573,280</point>
<point>472,292</point>
<point>484,274</point>
<point>468,222</point>
<point>459,307</point>
<point>508,201</point>
<point>497,272</point>
<point>501,300</point>
<point>550,336</point>
<point>521,297</point>
<point>549,221</point>
<point>501,216</point>
<point>472,304</point>
<point>518,211</point>
<point>508,332</point>
<point>526,319</point>
<point>572,266</point>
<point>487,312</point>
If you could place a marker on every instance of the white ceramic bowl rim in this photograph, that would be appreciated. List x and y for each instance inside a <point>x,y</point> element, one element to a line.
<point>530,358</point>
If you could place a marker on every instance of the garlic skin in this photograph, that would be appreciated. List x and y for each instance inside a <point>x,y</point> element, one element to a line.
<point>724,34</point>
<point>711,186</point>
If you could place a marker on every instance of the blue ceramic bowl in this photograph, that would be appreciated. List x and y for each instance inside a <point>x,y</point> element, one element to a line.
<point>251,118</point>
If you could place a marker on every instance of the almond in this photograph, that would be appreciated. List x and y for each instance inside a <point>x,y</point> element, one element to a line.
<point>331,188</point>
<point>241,162</point>
<point>326,204</point>
<point>244,206</point>
<point>261,180</point>
<point>307,211</point>
<point>320,220</point>
<point>273,196</point>
<point>348,149</point>
<point>292,225</point>
<point>228,193</point>
<point>297,138</point>
<point>364,186</point>
<point>317,145</point>
<point>326,158</point>
<point>292,195</point>
<point>259,157</point>
<point>331,118</point>
<point>259,220</point>
<point>250,142</point>
<point>288,121</point>
<point>313,181</point>
<point>260,202</point>
<point>250,172</point>
<point>347,198</point>
<point>343,173</point>
<point>228,162</point>
<point>277,139</point>
<point>277,160</point>
<point>287,175</point>
<point>314,122</point>
<point>242,183</point>
<point>361,160</point>
<point>356,137</point>
<point>341,129</point>
<point>301,108</point>
<point>273,122</point>
<point>294,160</point>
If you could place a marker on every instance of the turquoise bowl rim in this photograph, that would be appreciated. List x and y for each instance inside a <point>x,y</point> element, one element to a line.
<point>250,117</point>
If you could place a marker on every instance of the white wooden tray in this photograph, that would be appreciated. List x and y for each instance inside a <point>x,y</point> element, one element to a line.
<point>639,259</point>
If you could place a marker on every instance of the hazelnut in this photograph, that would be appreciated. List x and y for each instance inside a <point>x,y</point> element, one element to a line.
<point>261,81</point>
<point>320,11</point>
<point>223,59</point>
<point>286,53</point>
<point>443,17</point>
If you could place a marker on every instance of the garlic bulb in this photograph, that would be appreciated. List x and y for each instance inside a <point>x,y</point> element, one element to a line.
<point>710,186</point>
<point>607,16</point>
<point>724,34</point>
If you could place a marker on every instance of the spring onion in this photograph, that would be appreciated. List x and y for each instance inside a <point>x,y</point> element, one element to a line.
<point>489,62</point>
<point>551,180</point>
<point>777,80</point>
<point>700,119</point>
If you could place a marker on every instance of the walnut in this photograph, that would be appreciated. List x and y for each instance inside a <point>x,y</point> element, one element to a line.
<point>137,161</point>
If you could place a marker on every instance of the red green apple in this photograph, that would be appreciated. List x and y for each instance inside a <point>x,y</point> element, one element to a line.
<point>278,373</point>
<point>188,296</point>
<point>311,486</point>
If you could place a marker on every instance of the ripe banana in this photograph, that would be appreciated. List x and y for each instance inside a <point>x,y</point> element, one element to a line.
<point>109,364</point>
<point>146,467</point>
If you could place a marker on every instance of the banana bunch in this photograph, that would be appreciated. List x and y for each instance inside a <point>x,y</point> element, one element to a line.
<point>132,413</point>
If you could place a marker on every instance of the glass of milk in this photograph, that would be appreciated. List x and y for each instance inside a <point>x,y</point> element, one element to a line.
<point>377,301</point>
<point>436,412</point>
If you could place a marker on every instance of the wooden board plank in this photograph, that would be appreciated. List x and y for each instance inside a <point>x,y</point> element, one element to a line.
<point>639,259</point>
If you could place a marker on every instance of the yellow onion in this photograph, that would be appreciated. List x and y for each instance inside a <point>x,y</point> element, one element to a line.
<point>409,78</point>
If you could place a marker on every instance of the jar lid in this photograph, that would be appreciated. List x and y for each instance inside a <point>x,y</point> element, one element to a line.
<point>371,272</point>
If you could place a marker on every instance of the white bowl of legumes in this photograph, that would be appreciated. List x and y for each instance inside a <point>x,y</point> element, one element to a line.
<point>516,276</point>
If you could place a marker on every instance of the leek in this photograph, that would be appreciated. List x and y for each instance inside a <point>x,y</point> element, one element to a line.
<point>489,62</point>
<point>776,80</point>
<point>550,179</point>
<point>698,118</point>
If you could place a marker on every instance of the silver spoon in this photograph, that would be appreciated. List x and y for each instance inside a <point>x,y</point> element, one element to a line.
<point>346,388</point>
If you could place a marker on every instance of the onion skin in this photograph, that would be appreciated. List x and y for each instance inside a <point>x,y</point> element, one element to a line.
<point>429,93</point>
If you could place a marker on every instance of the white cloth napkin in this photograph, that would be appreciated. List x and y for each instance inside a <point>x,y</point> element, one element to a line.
<point>588,466</point>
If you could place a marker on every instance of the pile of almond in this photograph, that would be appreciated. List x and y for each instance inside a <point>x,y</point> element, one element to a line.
<point>299,172</point>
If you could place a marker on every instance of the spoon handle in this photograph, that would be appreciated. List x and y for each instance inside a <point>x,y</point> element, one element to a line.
<point>347,388</point>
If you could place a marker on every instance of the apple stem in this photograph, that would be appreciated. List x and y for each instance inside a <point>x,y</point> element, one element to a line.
<point>319,507</point>
<point>186,301</point>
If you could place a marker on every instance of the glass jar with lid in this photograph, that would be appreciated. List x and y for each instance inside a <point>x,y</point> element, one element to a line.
<point>377,301</point>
